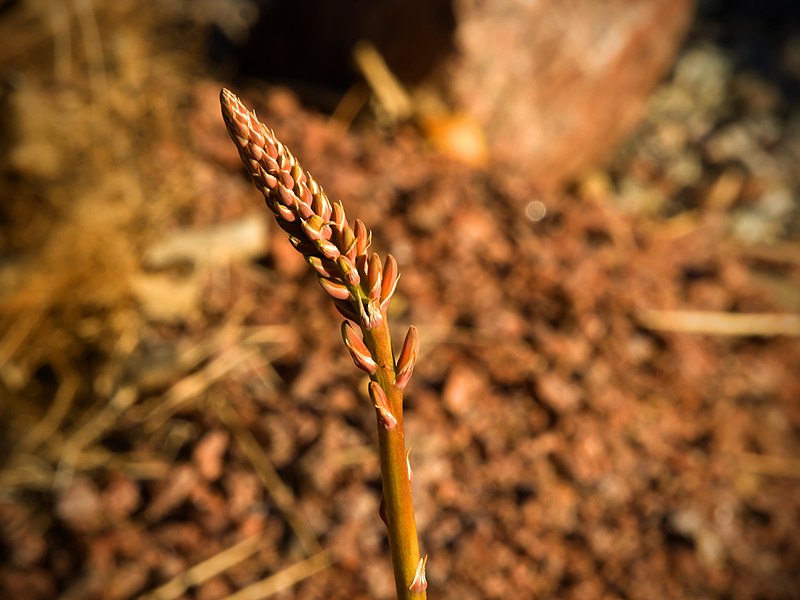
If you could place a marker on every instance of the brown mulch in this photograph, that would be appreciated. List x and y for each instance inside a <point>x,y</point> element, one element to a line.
<point>204,409</point>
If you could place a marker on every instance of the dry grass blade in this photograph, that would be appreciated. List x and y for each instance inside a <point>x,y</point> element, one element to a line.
<point>283,579</point>
<point>20,330</point>
<point>721,323</point>
<point>776,466</point>
<point>93,428</point>
<point>205,570</point>
<point>30,472</point>
<point>391,94</point>
<point>44,429</point>
<point>191,387</point>
<point>278,491</point>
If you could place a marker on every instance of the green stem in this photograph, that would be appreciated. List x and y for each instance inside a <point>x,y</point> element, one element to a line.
<point>397,500</point>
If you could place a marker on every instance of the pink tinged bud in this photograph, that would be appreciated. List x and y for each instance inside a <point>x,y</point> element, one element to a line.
<point>283,213</point>
<point>301,191</point>
<point>391,274</point>
<point>327,249</point>
<point>362,264</point>
<point>348,240</point>
<point>271,165</point>
<point>381,402</point>
<point>358,350</point>
<point>374,277</point>
<point>320,267</point>
<point>335,290</point>
<point>363,237</point>
<point>315,228</point>
<point>349,271</point>
<point>271,149</point>
<point>337,214</point>
<point>269,181</point>
<point>420,583</point>
<point>255,154</point>
<point>297,173</point>
<point>327,209</point>
<point>285,178</point>
<point>285,197</point>
<point>321,206</point>
<point>407,358</point>
<point>304,210</point>
<point>255,136</point>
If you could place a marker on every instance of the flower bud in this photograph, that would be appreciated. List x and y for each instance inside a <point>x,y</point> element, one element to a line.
<point>337,214</point>
<point>407,358</point>
<point>363,237</point>
<point>389,280</point>
<point>320,266</point>
<point>315,228</point>
<point>334,289</point>
<point>349,271</point>
<point>381,402</point>
<point>358,350</point>
<point>374,272</point>
<point>327,249</point>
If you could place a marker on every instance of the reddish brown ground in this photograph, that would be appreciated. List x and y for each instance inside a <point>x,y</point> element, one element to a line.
<point>561,447</point>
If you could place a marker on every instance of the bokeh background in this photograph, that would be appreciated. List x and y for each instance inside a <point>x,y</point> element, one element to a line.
<point>596,212</point>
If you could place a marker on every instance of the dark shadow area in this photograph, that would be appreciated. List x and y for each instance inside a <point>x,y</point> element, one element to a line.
<point>308,45</point>
<point>761,36</point>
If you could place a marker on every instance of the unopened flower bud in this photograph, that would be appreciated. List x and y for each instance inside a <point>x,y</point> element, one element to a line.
<point>334,289</point>
<point>381,402</point>
<point>363,237</point>
<point>358,350</point>
<point>349,271</point>
<point>407,358</point>
<point>374,273</point>
<point>389,280</point>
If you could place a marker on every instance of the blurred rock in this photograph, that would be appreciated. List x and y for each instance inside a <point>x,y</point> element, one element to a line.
<point>548,87</point>
<point>557,85</point>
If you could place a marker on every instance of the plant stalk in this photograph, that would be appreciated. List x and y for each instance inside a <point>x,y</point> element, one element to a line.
<point>398,505</point>
<point>361,286</point>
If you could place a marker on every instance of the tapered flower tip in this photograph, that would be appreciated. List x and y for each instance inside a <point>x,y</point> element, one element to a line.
<point>227,97</point>
<point>233,110</point>
<point>407,358</point>
<point>389,280</point>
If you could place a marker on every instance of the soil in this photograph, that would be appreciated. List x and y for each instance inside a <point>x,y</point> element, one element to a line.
<point>180,417</point>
